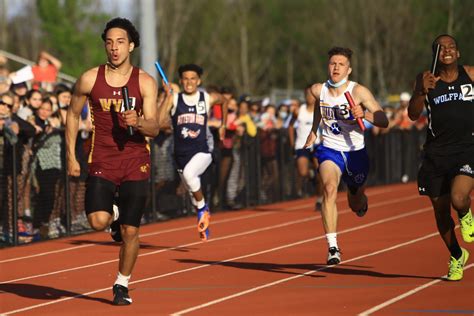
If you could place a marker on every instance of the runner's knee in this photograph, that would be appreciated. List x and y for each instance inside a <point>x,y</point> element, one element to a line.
<point>192,181</point>
<point>129,232</point>
<point>460,201</point>
<point>99,220</point>
<point>330,191</point>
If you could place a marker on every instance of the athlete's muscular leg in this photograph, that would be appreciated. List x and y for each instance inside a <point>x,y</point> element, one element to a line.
<point>128,249</point>
<point>460,194</point>
<point>444,221</point>
<point>330,176</point>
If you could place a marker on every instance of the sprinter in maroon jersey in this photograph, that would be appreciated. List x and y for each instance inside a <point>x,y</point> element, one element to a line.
<point>118,162</point>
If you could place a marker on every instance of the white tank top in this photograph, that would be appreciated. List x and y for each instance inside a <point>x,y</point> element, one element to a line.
<point>303,126</point>
<point>339,128</point>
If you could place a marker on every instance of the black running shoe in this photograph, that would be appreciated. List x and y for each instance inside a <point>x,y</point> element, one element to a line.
<point>362,211</point>
<point>334,256</point>
<point>121,295</point>
<point>115,232</point>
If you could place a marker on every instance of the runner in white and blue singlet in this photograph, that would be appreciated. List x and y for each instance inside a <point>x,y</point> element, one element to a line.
<point>342,154</point>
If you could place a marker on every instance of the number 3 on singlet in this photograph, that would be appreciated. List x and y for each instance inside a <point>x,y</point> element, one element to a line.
<point>467,92</point>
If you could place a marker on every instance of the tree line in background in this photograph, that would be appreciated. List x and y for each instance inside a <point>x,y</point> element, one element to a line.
<point>256,45</point>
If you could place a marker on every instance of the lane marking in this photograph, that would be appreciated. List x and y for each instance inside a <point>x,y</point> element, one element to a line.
<point>415,212</point>
<point>407,294</point>
<point>226,298</point>
<point>292,208</point>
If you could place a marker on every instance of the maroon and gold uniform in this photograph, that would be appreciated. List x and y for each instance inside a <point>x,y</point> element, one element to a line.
<point>115,155</point>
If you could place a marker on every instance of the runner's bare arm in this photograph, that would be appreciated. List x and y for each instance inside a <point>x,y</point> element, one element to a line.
<point>375,115</point>
<point>147,124</point>
<point>314,99</point>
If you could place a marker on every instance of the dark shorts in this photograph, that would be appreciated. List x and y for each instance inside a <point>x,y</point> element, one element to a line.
<point>101,194</point>
<point>183,159</point>
<point>305,152</point>
<point>118,171</point>
<point>437,172</point>
<point>129,178</point>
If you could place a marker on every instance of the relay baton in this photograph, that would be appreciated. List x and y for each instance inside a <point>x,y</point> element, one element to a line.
<point>352,105</point>
<point>162,73</point>
<point>434,63</point>
<point>126,103</point>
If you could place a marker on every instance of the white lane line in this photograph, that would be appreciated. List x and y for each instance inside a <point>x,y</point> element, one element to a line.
<point>417,211</point>
<point>251,290</point>
<point>292,208</point>
<point>407,294</point>
<point>258,230</point>
<point>172,230</point>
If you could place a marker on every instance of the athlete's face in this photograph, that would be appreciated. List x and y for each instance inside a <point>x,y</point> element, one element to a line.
<point>339,68</point>
<point>190,81</point>
<point>448,53</point>
<point>117,46</point>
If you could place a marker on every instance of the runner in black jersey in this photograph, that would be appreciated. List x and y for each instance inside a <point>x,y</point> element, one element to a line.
<point>446,175</point>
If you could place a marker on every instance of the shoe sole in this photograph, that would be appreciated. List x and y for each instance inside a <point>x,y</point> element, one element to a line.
<point>469,238</point>
<point>204,236</point>
<point>204,219</point>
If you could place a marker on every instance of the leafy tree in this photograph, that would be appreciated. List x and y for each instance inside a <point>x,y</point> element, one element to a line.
<point>71,31</point>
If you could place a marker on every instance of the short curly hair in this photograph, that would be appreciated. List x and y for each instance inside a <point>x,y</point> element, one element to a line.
<point>347,52</point>
<point>124,24</point>
<point>190,67</point>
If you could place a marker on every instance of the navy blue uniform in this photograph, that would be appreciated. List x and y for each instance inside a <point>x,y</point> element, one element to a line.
<point>190,130</point>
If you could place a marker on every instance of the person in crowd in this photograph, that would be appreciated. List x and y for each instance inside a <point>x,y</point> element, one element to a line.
<point>269,126</point>
<point>45,71</point>
<point>15,131</point>
<point>298,130</point>
<point>446,174</point>
<point>402,121</point>
<point>46,167</point>
<point>119,161</point>
<point>32,102</point>
<point>342,154</point>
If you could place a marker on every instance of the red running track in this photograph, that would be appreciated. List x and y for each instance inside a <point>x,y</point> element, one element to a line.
<point>264,261</point>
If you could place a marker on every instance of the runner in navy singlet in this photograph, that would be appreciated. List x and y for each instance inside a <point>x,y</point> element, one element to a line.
<point>189,111</point>
<point>446,174</point>
<point>118,162</point>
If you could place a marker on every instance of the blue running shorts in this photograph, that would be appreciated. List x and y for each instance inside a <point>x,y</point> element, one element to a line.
<point>354,165</point>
